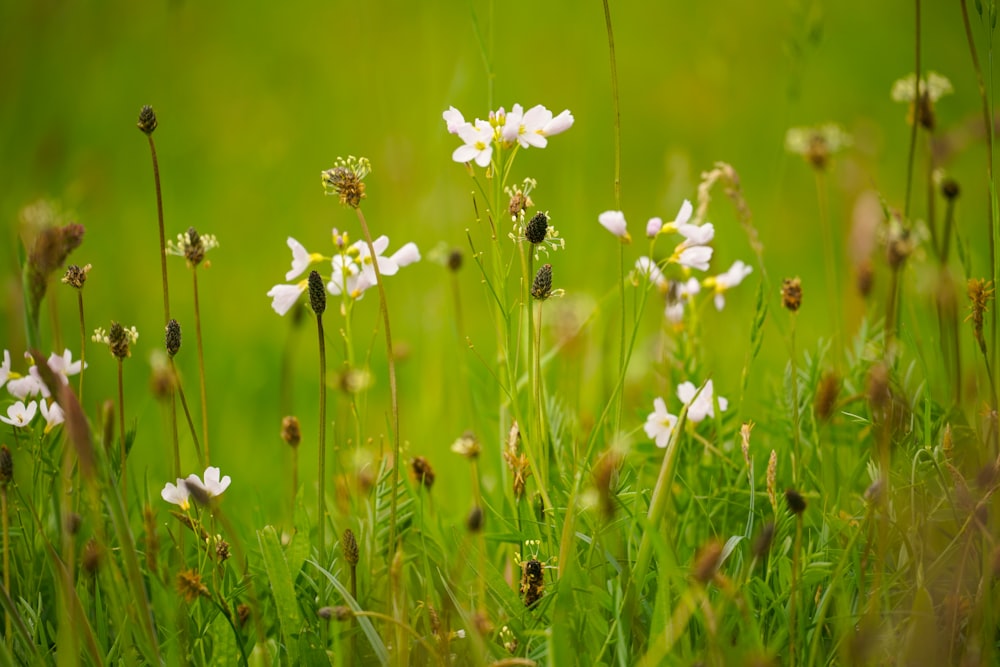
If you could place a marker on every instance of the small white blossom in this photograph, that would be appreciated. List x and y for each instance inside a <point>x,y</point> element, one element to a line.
<point>936,86</point>
<point>19,415</point>
<point>724,281</point>
<point>53,414</point>
<point>212,484</point>
<point>702,406</point>
<point>560,123</point>
<point>614,222</point>
<point>64,366</point>
<point>478,145</point>
<point>301,259</point>
<point>653,227</point>
<point>660,423</point>
<point>648,268</point>
<point>177,494</point>
<point>406,255</point>
<point>525,128</point>
<point>5,368</point>
<point>283,297</point>
<point>454,119</point>
<point>696,257</point>
<point>386,265</point>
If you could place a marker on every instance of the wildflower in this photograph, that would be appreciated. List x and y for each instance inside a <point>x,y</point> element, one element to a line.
<point>693,252</point>
<point>921,96</point>
<point>172,338</point>
<point>817,144</point>
<point>614,222</point>
<point>722,282</point>
<point>192,246</point>
<point>537,228</point>
<point>27,385</point>
<point>386,265</point>
<point>525,128</point>
<point>454,119</point>
<point>648,268</point>
<point>63,366</point>
<point>5,368</point>
<point>653,227</point>
<point>660,423</point>
<point>467,445</point>
<point>408,254</point>
<point>345,179</point>
<point>19,415</point>
<point>350,546</point>
<point>283,297</point>
<point>704,404</point>
<point>478,145</point>
<point>559,124</point>
<point>541,287</point>
<point>53,414</point>
<point>212,485</point>
<point>301,258</point>
<point>683,217</point>
<point>177,494</point>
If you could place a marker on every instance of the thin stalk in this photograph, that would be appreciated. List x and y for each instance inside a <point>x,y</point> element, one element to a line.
<point>796,417</point>
<point>384,309</point>
<point>988,127</point>
<point>916,119</point>
<point>321,471</point>
<point>163,242</point>
<point>201,365</point>
<point>8,630</point>
<point>403,626</point>
<point>83,343</point>
<point>793,595</point>
<point>891,314</point>
<point>121,425</point>
<point>187,411</point>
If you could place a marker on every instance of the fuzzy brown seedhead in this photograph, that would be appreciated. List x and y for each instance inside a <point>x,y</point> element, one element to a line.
<point>541,288</point>
<point>980,294</point>
<point>826,395</point>
<point>173,338</point>
<point>147,120</point>
<point>291,431</point>
<point>189,585</point>
<point>346,180</point>
<point>422,472</point>
<point>350,545</point>
<point>791,294</point>
<point>76,276</point>
<point>706,563</point>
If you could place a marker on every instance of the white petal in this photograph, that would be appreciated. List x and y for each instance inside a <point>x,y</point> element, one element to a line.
<point>614,222</point>
<point>283,297</point>
<point>684,214</point>
<point>560,123</point>
<point>406,255</point>
<point>300,259</point>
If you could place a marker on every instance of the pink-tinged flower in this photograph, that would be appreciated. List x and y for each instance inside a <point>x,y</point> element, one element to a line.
<point>560,123</point>
<point>702,406</point>
<point>614,222</point>
<point>648,268</point>
<point>19,415</point>
<point>27,385</point>
<point>53,415</point>
<point>212,484</point>
<point>301,259</point>
<point>406,255</point>
<point>283,297</point>
<point>64,366</point>
<point>346,277</point>
<point>731,278</point>
<point>478,146</point>
<point>454,119</point>
<point>695,235</point>
<point>177,494</point>
<point>696,257</point>
<point>660,423</point>
<point>526,127</point>
<point>653,227</point>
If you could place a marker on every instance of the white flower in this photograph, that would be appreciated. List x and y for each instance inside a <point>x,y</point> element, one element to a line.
<point>386,265</point>
<point>702,406</point>
<point>53,415</point>
<point>64,366</point>
<point>478,140</point>
<point>28,385</point>
<point>695,257</point>
<point>648,268</point>
<point>5,368</point>
<point>406,255</point>
<point>731,278</point>
<point>695,235</point>
<point>212,484</point>
<point>560,123</point>
<point>283,297</point>
<point>614,222</point>
<point>346,277</point>
<point>454,119</point>
<point>177,494</point>
<point>526,127</point>
<point>935,85</point>
<point>653,227</point>
<point>683,215</point>
<point>301,259</point>
<point>20,416</point>
<point>660,423</point>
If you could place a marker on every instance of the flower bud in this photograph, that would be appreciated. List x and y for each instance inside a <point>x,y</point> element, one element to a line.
<point>147,120</point>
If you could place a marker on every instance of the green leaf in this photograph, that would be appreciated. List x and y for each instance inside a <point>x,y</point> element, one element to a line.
<point>282,588</point>
<point>366,625</point>
<point>224,649</point>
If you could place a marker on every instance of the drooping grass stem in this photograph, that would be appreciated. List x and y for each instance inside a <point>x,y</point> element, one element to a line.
<point>201,364</point>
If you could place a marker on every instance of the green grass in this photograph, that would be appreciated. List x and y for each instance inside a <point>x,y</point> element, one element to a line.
<point>696,553</point>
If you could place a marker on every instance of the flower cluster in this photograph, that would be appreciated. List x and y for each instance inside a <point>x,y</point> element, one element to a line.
<point>179,493</point>
<point>352,268</point>
<point>692,253</point>
<point>192,246</point>
<point>23,387</point>
<point>660,423</point>
<point>503,130</point>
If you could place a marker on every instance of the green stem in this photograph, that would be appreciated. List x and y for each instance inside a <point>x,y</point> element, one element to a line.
<point>201,366</point>
<point>121,425</point>
<point>321,466</point>
<point>163,243</point>
<point>83,342</point>
<point>916,119</point>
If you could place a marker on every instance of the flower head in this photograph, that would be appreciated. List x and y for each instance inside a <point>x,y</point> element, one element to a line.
<point>53,415</point>
<point>648,268</point>
<point>19,415</point>
<point>660,423</point>
<point>192,246</point>
<point>817,144</point>
<point>702,405</point>
<point>345,179</point>
<point>118,339</point>
<point>177,494</point>
<point>283,297</point>
<point>454,119</point>
<point>614,222</point>
<point>722,282</point>
<point>76,276</point>
<point>64,366</point>
<point>478,146</point>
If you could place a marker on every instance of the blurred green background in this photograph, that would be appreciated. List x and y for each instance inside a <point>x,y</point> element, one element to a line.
<point>255,99</point>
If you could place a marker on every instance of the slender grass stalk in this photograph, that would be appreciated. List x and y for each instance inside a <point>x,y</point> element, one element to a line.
<point>148,123</point>
<point>794,592</point>
<point>317,298</point>
<point>187,413</point>
<point>83,343</point>
<point>121,426</point>
<point>384,309</point>
<point>796,411</point>
<point>201,365</point>
<point>911,157</point>
<point>4,514</point>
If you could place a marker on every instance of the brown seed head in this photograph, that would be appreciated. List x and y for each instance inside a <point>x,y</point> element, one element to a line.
<point>826,395</point>
<point>93,554</point>
<point>796,503</point>
<point>519,202</point>
<point>980,295</point>
<point>173,338</point>
<point>189,585</point>
<point>6,466</point>
<point>706,563</point>
<point>455,259</point>
<point>118,341</point>
<point>950,189</point>
<point>76,276</point>
<point>221,550</point>
<point>791,293</point>
<point>345,180</point>
<point>422,471</point>
<point>541,287</point>
<point>291,431</point>
<point>772,480</point>
<point>762,543</point>
<point>865,278</point>
<point>242,613</point>
<point>474,522</point>
<point>350,545</point>
<point>317,293</point>
<point>536,228</point>
<point>147,120</point>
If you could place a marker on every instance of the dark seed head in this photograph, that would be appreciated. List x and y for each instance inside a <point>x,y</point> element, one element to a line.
<point>537,228</point>
<point>147,120</point>
<point>474,522</point>
<point>455,259</point>
<point>317,293</point>
<point>76,276</point>
<point>950,189</point>
<point>422,471</point>
<point>351,553</point>
<point>762,543</point>
<point>796,503</point>
<point>291,431</point>
<point>541,288</point>
<point>173,337</point>
<point>118,341</point>
<point>706,563</point>
<point>791,294</point>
